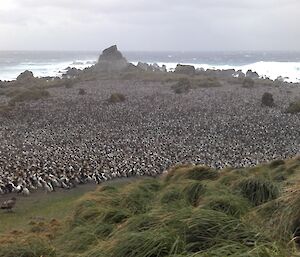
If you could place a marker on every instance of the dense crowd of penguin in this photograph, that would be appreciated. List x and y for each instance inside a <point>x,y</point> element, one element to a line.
<point>72,139</point>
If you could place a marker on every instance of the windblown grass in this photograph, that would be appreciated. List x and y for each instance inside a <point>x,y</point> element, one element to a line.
<point>258,190</point>
<point>193,211</point>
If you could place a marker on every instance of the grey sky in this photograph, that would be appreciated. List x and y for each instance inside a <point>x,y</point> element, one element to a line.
<point>150,24</point>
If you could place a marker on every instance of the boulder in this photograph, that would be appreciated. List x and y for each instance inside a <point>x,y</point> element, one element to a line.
<point>252,74</point>
<point>151,67</point>
<point>72,72</point>
<point>25,76</point>
<point>240,74</point>
<point>111,60</point>
<point>185,69</point>
<point>143,66</point>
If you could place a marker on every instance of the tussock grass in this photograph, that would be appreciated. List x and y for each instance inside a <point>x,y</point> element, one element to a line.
<point>193,191</point>
<point>294,107</point>
<point>201,173</point>
<point>143,222</point>
<point>258,190</point>
<point>27,95</point>
<point>171,196</point>
<point>207,228</point>
<point>197,172</point>
<point>248,83</point>
<point>116,98</point>
<point>227,203</point>
<point>191,211</point>
<point>79,239</point>
<point>182,86</point>
<point>29,247</point>
<point>157,243</point>
<point>137,200</point>
<point>115,216</point>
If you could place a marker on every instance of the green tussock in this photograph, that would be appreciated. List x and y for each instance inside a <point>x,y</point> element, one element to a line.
<point>258,190</point>
<point>192,211</point>
<point>30,247</point>
<point>193,191</point>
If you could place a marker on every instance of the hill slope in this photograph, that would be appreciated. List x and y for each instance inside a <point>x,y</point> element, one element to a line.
<point>191,211</point>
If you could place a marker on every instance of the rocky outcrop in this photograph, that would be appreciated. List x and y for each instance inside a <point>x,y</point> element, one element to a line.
<point>111,60</point>
<point>151,67</point>
<point>185,69</point>
<point>72,72</point>
<point>252,74</point>
<point>25,76</point>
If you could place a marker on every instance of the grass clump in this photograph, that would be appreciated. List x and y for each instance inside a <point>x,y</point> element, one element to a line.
<point>183,86</point>
<point>143,222</point>
<point>79,239</point>
<point>103,230</point>
<point>115,216</point>
<point>201,173</point>
<point>207,228</point>
<point>171,196</point>
<point>276,163</point>
<point>27,95</point>
<point>294,107</point>
<point>158,243</point>
<point>138,200</point>
<point>30,247</point>
<point>227,203</point>
<point>207,82</point>
<point>258,190</point>
<point>116,98</point>
<point>193,191</point>
<point>248,83</point>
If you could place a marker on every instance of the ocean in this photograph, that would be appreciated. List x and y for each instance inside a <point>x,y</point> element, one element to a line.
<point>51,63</point>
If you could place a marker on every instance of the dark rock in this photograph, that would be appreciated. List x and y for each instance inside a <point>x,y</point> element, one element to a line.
<point>151,67</point>
<point>252,75</point>
<point>132,68</point>
<point>111,60</point>
<point>164,68</point>
<point>72,72</point>
<point>143,66</point>
<point>267,99</point>
<point>25,76</point>
<point>185,69</point>
<point>240,74</point>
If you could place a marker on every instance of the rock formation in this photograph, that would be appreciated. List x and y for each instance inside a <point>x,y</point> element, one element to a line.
<point>111,60</point>
<point>25,76</point>
<point>185,69</point>
<point>252,74</point>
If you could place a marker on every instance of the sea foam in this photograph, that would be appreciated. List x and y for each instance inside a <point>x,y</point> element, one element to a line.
<point>289,71</point>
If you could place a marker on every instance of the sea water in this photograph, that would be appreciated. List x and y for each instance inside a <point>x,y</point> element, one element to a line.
<point>266,64</point>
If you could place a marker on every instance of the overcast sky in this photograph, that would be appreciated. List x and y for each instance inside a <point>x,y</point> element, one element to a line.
<point>193,25</point>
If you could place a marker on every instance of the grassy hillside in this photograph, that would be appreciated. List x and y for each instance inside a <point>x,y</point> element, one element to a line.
<point>191,211</point>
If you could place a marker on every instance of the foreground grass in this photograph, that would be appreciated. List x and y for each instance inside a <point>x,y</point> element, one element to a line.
<point>192,211</point>
<point>40,207</point>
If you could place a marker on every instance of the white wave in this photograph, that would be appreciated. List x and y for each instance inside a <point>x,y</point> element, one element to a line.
<point>43,69</point>
<point>290,71</point>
